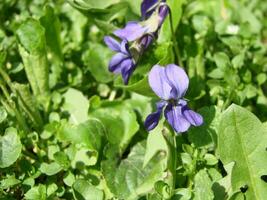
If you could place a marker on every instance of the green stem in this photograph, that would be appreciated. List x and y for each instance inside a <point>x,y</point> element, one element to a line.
<point>10,104</point>
<point>4,89</point>
<point>170,137</point>
<point>174,159</point>
<point>37,120</point>
<point>7,107</point>
<point>228,100</point>
<point>175,44</point>
<point>19,117</point>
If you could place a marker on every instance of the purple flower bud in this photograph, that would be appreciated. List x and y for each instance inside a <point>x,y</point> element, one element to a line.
<point>146,40</point>
<point>163,12</point>
<point>148,7</point>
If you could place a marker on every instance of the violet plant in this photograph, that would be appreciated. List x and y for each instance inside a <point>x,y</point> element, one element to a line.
<point>183,118</point>
<point>169,84</point>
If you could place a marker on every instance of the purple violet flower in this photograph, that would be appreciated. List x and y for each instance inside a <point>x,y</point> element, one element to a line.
<point>122,62</point>
<point>139,34</point>
<point>170,83</point>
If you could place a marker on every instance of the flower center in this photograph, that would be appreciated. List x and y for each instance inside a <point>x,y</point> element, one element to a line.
<point>173,102</point>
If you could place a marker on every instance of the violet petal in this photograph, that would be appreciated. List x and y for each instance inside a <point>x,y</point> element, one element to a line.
<point>146,40</point>
<point>159,83</point>
<point>178,80</point>
<point>112,43</point>
<point>116,60</point>
<point>124,47</point>
<point>175,118</point>
<point>131,32</point>
<point>127,68</point>
<point>152,120</point>
<point>194,118</point>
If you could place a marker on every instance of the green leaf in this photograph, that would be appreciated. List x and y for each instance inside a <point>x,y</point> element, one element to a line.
<point>163,189</point>
<point>37,192</point>
<point>141,104</point>
<point>261,78</point>
<point>139,86</point>
<point>88,134</point>
<point>202,186</point>
<point>10,147</point>
<point>69,179</point>
<point>182,194</point>
<point>210,159</point>
<point>222,60</point>
<point>217,73</point>
<point>135,5</point>
<point>237,196</point>
<point>223,187</point>
<point>9,182</point>
<point>140,180</point>
<point>78,25</point>
<point>52,27</point>
<point>51,23</point>
<point>92,5</point>
<point>155,143</point>
<point>84,157</point>
<point>3,114</point>
<point>51,189</point>
<point>50,169</point>
<point>62,159</point>
<point>206,135</point>
<point>120,123</point>
<point>238,61</point>
<point>242,140</point>
<point>96,58</point>
<point>82,190</point>
<point>3,55</point>
<point>32,48</point>
<point>77,105</point>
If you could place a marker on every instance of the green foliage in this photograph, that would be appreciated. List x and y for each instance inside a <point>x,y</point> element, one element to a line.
<point>140,180</point>
<point>70,129</point>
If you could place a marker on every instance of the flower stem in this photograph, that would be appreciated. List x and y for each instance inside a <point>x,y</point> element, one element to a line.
<point>170,138</point>
<point>174,159</point>
<point>175,44</point>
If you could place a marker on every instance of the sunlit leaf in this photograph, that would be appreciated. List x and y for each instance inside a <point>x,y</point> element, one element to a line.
<point>32,48</point>
<point>10,147</point>
<point>241,140</point>
<point>83,190</point>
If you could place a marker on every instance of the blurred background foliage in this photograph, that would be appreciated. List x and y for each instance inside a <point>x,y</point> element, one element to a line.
<point>77,130</point>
